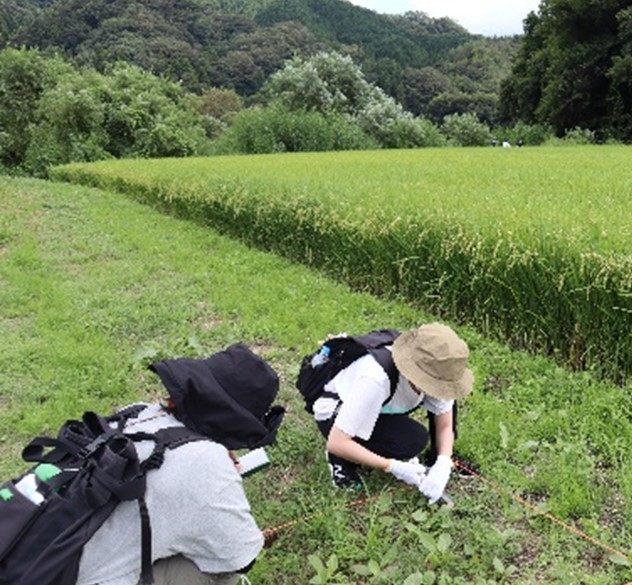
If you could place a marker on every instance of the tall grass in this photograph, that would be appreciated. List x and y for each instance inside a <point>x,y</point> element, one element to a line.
<point>531,246</point>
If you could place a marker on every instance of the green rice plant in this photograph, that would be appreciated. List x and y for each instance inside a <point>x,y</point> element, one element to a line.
<point>530,246</point>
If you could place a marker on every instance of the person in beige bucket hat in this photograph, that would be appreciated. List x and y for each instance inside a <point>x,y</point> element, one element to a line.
<point>363,411</point>
<point>434,359</point>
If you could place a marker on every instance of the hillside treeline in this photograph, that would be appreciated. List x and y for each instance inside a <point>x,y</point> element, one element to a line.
<point>53,112</point>
<point>431,66</point>
<point>92,79</point>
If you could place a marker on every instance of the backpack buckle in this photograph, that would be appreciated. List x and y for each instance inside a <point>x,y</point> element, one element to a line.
<point>91,447</point>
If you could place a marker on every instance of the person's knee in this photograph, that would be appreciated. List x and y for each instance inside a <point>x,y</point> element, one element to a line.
<point>415,440</point>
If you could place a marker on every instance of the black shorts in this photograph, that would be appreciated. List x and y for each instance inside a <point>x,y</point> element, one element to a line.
<point>395,436</point>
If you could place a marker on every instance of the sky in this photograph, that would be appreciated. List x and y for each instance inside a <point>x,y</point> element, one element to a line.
<point>485,17</point>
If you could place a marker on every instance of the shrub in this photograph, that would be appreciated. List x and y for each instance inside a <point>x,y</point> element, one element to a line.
<point>51,113</point>
<point>416,132</point>
<point>579,136</point>
<point>573,137</point>
<point>530,134</point>
<point>148,116</point>
<point>465,130</point>
<point>24,76</point>
<point>278,129</point>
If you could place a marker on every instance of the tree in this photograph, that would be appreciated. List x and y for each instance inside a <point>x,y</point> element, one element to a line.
<point>387,74</point>
<point>481,105</point>
<point>521,91</point>
<point>620,80</point>
<point>218,107</point>
<point>327,82</point>
<point>53,113</point>
<point>24,76</point>
<point>422,85</point>
<point>571,69</point>
<point>254,55</point>
<point>330,83</point>
<point>218,103</point>
<point>482,62</point>
<point>13,14</point>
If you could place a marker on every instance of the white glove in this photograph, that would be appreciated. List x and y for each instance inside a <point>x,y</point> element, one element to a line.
<point>436,479</point>
<point>406,471</point>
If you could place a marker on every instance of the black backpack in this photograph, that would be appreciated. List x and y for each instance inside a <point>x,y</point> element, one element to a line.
<point>80,478</point>
<point>340,352</point>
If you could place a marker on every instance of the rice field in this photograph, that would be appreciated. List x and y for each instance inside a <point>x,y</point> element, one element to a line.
<point>531,246</point>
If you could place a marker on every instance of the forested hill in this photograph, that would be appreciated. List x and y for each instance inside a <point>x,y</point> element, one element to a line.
<point>414,40</point>
<point>237,44</point>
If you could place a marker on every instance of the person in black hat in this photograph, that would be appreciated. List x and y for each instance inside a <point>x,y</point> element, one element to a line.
<point>203,531</point>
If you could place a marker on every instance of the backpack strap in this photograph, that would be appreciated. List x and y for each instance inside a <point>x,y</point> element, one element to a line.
<point>166,438</point>
<point>146,571</point>
<point>384,357</point>
<point>377,343</point>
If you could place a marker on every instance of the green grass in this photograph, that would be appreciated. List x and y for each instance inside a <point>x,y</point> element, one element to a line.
<point>530,246</point>
<point>94,287</point>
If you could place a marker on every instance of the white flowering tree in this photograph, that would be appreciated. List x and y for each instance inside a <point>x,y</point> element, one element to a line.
<point>326,83</point>
<point>331,83</point>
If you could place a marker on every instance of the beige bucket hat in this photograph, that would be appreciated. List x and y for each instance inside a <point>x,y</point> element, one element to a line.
<point>434,359</point>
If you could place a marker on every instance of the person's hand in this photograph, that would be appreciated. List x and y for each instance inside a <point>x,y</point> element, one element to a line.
<point>406,471</point>
<point>433,485</point>
<point>235,459</point>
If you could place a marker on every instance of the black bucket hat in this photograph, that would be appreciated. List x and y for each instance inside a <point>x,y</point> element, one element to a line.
<point>226,397</point>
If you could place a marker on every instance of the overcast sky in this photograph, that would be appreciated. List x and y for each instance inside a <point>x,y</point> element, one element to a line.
<point>485,17</point>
